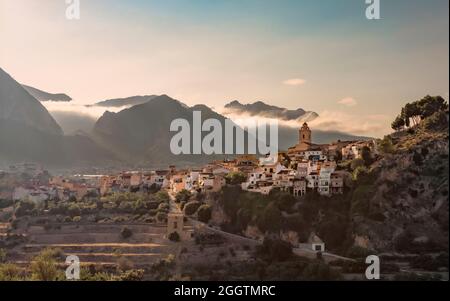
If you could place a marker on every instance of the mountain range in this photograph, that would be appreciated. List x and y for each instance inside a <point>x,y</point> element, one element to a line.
<point>28,133</point>
<point>45,96</point>
<point>124,102</point>
<point>262,109</point>
<point>137,136</point>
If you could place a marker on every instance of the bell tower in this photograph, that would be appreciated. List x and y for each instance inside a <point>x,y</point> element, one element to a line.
<point>305,134</point>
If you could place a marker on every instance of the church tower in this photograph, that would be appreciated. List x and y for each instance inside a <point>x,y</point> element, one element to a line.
<point>305,135</point>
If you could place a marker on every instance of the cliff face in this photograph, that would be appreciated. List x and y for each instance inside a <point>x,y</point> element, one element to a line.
<point>407,208</point>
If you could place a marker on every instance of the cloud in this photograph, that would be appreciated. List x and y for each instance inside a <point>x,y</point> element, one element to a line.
<point>294,82</point>
<point>348,101</point>
<point>330,121</point>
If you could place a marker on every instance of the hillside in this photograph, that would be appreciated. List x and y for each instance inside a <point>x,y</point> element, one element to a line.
<point>17,105</point>
<point>405,208</point>
<point>396,205</point>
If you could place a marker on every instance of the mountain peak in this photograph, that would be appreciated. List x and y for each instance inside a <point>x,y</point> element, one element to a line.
<point>262,109</point>
<point>45,96</point>
<point>18,106</point>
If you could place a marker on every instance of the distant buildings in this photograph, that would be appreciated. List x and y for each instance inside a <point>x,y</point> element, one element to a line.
<point>311,167</point>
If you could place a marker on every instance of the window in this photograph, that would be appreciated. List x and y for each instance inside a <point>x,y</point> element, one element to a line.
<point>175,225</point>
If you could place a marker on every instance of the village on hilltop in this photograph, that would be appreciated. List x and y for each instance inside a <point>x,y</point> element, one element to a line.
<point>304,168</point>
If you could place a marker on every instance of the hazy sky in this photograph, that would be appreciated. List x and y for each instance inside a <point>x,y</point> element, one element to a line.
<point>320,55</point>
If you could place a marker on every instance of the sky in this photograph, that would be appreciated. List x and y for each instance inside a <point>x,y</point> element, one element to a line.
<point>323,56</point>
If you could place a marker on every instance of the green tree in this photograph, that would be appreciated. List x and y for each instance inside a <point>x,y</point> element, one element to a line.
<point>386,145</point>
<point>191,207</point>
<point>430,105</point>
<point>174,236</point>
<point>235,178</point>
<point>366,155</point>
<point>183,196</point>
<point>357,163</point>
<point>204,213</point>
<point>398,124</point>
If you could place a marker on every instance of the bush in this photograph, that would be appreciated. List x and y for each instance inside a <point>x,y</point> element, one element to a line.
<point>274,250</point>
<point>183,196</point>
<point>235,178</point>
<point>10,272</point>
<point>386,145</point>
<point>204,213</point>
<point>2,255</point>
<point>130,275</point>
<point>25,208</point>
<point>191,207</point>
<point>44,267</point>
<point>357,163</point>
<point>126,233</point>
<point>161,217</point>
<point>124,264</point>
<point>174,236</point>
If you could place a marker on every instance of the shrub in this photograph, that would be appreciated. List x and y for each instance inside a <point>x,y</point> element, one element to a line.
<point>25,208</point>
<point>124,264</point>
<point>274,250</point>
<point>174,236</point>
<point>357,163</point>
<point>126,233</point>
<point>204,213</point>
<point>191,207</point>
<point>235,178</point>
<point>161,217</point>
<point>10,272</point>
<point>44,267</point>
<point>386,145</point>
<point>130,275</point>
<point>183,196</point>
<point>2,255</point>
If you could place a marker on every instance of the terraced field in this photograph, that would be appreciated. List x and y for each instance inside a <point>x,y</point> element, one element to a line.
<point>98,244</point>
<point>3,229</point>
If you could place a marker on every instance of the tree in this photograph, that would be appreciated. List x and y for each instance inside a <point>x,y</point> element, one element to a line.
<point>430,105</point>
<point>174,236</point>
<point>398,124</point>
<point>413,112</point>
<point>366,155</point>
<point>191,207</point>
<point>204,213</point>
<point>270,220</point>
<point>235,178</point>
<point>183,196</point>
<point>274,250</point>
<point>162,196</point>
<point>385,145</point>
<point>357,163</point>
